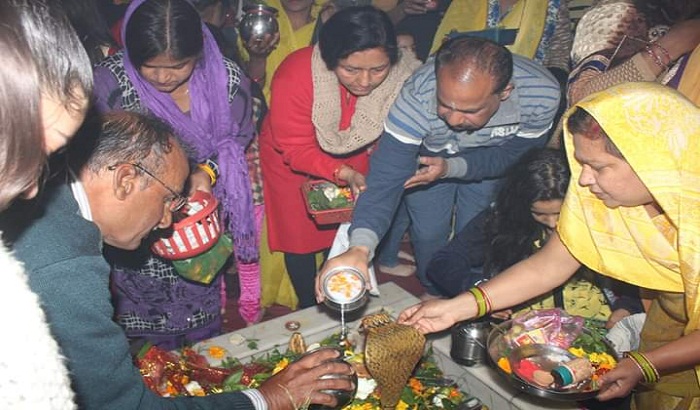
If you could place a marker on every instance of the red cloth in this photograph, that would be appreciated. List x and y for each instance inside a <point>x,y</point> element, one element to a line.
<point>290,153</point>
<point>116,31</point>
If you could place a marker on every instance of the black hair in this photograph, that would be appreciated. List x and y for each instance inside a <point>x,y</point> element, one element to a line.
<point>582,122</point>
<point>121,137</point>
<point>480,54</point>
<point>90,25</point>
<point>541,175</point>
<point>202,5</point>
<point>357,29</point>
<point>163,26</point>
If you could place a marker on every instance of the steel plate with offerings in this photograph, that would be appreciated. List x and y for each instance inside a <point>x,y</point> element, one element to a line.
<point>549,353</point>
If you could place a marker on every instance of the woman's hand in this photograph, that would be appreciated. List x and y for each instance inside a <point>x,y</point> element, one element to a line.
<point>199,181</point>
<point>414,6</point>
<point>619,381</point>
<point>436,314</point>
<point>327,11</point>
<point>502,314</point>
<point>354,179</point>
<point>260,48</point>
<point>616,316</point>
<point>356,257</point>
<point>407,8</point>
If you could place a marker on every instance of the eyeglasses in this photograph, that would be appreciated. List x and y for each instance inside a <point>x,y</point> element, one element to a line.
<point>176,203</point>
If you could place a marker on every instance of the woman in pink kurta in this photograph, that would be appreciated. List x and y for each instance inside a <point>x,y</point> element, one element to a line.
<point>328,104</point>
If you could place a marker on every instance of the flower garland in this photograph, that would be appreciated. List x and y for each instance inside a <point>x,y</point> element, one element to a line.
<point>189,374</point>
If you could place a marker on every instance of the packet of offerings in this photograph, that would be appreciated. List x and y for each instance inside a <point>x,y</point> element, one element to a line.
<point>546,326</point>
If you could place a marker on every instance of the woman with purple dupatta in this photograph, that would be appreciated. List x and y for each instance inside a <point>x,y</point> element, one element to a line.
<point>172,68</point>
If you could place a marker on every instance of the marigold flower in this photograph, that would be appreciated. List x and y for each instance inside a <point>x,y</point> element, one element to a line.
<point>416,385</point>
<point>281,365</point>
<point>217,352</point>
<point>504,364</point>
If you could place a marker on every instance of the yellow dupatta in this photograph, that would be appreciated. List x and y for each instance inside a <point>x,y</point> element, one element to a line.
<point>657,130</point>
<point>276,286</point>
<point>529,16</point>
<point>290,40</point>
<point>690,81</point>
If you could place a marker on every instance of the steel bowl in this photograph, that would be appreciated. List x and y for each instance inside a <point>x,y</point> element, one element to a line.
<point>351,303</point>
<point>344,397</point>
<point>258,20</point>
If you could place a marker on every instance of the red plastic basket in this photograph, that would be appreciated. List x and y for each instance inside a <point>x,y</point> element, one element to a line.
<point>196,233</point>
<point>326,216</point>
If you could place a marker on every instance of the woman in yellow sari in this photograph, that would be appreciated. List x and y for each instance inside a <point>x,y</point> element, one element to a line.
<point>634,215</point>
<point>297,22</point>
<point>544,27</point>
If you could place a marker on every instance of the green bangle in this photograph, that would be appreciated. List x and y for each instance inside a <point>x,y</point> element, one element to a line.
<point>482,307</point>
<point>489,305</point>
<point>649,372</point>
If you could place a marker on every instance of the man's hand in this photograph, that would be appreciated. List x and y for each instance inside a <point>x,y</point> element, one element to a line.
<point>301,383</point>
<point>433,169</point>
<point>356,257</point>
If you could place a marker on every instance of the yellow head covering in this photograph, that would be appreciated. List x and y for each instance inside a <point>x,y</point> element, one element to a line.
<point>657,130</point>
<point>528,16</point>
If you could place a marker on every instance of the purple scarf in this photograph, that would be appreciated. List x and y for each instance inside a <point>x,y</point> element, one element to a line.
<point>210,130</point>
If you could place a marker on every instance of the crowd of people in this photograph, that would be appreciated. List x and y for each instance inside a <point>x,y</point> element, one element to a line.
<point>537,156</point>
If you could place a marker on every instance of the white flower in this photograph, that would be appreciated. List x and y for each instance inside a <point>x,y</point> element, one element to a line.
<point>331,192</point>
<point>194,388</point>
<point>365,387</point>
<point>313,346</point>
<point>437,400</point>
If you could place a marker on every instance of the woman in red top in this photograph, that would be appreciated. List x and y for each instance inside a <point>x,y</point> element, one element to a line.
<point>327,108</point>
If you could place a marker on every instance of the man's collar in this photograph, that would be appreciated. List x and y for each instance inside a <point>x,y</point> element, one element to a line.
<point>80,195</point>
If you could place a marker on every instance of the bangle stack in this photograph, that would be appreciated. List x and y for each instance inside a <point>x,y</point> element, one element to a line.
<point>483,303</point>
<point>649,372</point>
<point>658,60</point>
<point>211,168</point>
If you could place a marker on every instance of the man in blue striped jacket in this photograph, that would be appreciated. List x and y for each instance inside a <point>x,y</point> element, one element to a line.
<point>458,124</point>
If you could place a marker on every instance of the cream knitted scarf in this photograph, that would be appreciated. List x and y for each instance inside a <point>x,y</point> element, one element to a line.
<point>371,110</point>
